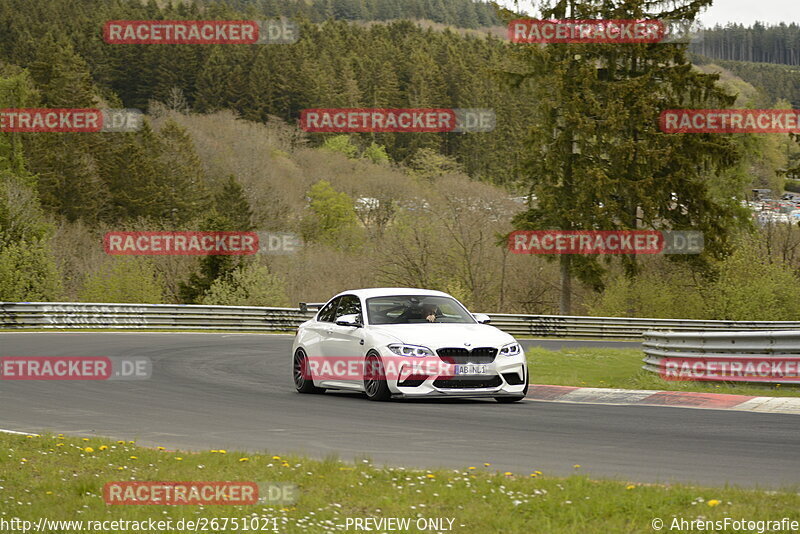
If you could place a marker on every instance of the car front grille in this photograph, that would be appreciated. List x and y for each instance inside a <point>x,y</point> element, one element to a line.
<point>454,355</point>
<point>449,382</point>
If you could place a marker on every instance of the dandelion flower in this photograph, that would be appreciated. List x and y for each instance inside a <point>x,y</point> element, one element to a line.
<point>713,502</point>
<point>178,458</point>
<point>576,466</point>
<point>102,447</point>
<point>487,464</point>
<point>244,459</point>
<point>88,449</point>
<point>630,487</point>
<point>134,458</point>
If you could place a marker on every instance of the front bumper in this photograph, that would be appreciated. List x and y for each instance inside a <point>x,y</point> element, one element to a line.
<point>506,376</point>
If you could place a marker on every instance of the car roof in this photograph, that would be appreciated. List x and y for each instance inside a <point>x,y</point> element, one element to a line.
<point>392,291</point>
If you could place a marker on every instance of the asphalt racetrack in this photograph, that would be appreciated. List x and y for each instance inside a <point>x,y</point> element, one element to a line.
<point>234,391</point>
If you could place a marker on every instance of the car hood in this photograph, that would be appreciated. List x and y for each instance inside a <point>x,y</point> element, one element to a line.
<point>438,335</point>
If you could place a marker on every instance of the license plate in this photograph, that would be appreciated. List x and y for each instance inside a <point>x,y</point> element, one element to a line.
<point>471,369</point>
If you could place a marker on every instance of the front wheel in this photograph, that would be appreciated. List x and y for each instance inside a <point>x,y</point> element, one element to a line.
<point>301,374</point>
<point>375,385</point>
<point>508,400</point>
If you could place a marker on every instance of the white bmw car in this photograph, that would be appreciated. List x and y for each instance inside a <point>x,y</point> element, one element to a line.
<point>392,342</point>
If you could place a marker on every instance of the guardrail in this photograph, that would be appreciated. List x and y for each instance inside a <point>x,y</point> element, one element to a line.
<point>35,315</point>
<point>45,315</point>
<point>768,356</point>
<point>618,327</point>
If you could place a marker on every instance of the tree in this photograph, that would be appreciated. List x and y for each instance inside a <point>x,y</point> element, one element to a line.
<point>232,202</point>
<point>182,188</point>
<point>332,213</point>
<point>348,9</point>
<point>596,158</point>
<point>211,267</point>
<point>750,286</point>
<point>21,214</point>
<point>16,91</point>
<point>430,164</point>
<point>340,144</point>
<point>134,176</point>
<point>213,82</point>
<point>28,272</point>
<point>251,285</point>
<point>376,154</point>
<point>63,76</point>
<point>123,279</point>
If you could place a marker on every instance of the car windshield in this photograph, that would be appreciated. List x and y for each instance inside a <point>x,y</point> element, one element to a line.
<point>409,309</point>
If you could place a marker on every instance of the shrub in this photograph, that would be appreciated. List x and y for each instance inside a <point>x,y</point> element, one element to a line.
<point>251,285</point>
<point>28,273</point>
<point>123,279</point>
<point>341,144</point>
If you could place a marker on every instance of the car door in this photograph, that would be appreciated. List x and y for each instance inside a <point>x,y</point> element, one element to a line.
<point>344,346</point>
<point>318,331</point>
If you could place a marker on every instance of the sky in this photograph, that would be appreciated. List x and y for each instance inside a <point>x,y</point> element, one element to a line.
<point>724,11</point>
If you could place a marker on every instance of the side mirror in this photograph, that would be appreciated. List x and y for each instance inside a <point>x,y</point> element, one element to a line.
<point>482,318</point>
<point>352,319</point>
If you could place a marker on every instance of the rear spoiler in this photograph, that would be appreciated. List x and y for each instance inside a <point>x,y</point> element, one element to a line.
<point>305,307</point>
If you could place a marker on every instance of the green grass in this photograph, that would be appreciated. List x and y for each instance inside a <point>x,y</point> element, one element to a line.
<point>622,368</point>
<point>59,479</point>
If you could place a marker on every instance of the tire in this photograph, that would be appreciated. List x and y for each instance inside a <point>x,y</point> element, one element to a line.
<point>509,400</point>
<point>301,376</point>
<point>375,385</point>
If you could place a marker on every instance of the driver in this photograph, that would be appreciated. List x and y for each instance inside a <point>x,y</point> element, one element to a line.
<point>430,312</point>
<point>426,311</point>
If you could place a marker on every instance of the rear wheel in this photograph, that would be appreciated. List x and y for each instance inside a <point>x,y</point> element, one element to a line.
<point>301,374</point>
<point>375,385</point>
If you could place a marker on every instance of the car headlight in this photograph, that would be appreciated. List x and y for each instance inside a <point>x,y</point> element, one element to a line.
<point>410,350</point>
<point>512,349</point>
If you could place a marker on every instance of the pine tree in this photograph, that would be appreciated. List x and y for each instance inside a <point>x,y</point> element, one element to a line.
<point>211,268</point>
<point>232,202</point>
<point>62,77</point>
<point>134,175</point>
<point>597,160</point>
<point>213,82</point>
<point>182,191</point>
